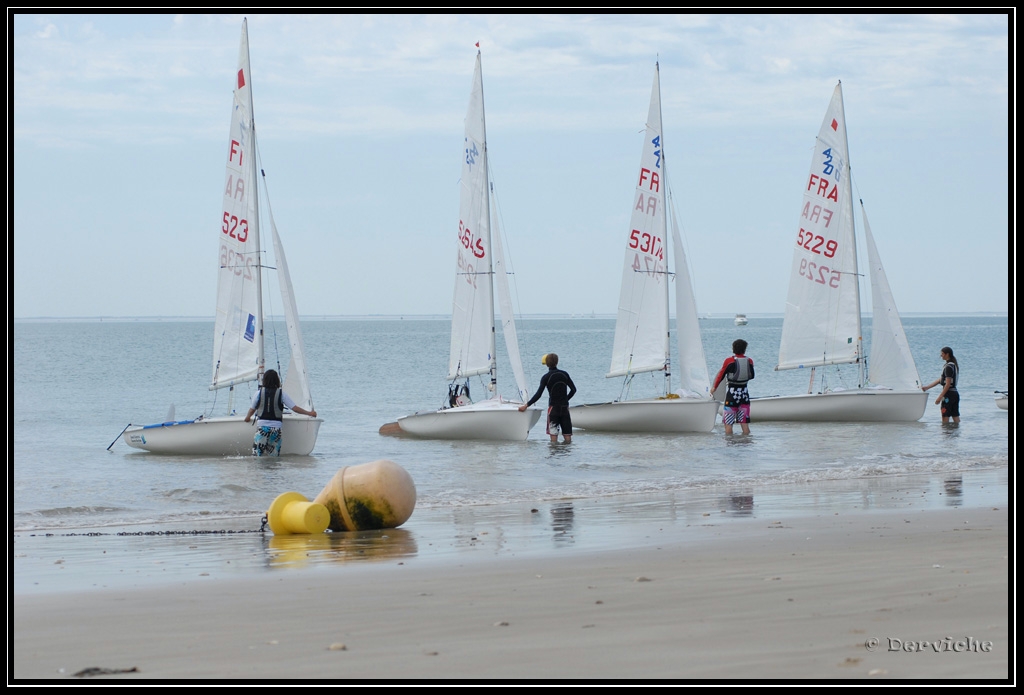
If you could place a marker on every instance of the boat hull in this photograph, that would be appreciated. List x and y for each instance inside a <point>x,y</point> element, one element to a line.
<point>501,422</point>
<point>647,415</point>
<point>859,405</point>
<point>221,436</point>
<point>1003,402</point>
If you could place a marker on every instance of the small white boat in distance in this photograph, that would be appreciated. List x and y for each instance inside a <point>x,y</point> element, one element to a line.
<point>1003,400</point>
<point>740,320</point>
<point>480,261</point>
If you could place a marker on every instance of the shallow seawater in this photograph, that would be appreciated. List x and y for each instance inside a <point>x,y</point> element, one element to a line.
<point>365,373</point>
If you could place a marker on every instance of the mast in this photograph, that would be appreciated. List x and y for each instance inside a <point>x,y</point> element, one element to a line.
<point>253,170</point>
<point>490,249</point>
<point>848,188</point>
<point>664,237</point>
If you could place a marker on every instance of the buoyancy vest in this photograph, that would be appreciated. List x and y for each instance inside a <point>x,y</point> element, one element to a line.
<point>271,404</point>
<point>955,378</point>
<point>742,374</point>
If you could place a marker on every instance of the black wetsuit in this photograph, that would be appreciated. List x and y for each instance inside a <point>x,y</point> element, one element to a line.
<point>560,391</point>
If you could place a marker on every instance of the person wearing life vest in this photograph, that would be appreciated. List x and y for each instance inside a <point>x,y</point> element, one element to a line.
<point>737,370</point>
<point>270,401</point>
<point>949,398</point>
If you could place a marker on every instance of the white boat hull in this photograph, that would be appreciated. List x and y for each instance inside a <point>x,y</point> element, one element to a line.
<point>1003,402</point>
<point>221,436</point>
<point>485,420</point>
<point>647,415</point>
<point>855,405</point>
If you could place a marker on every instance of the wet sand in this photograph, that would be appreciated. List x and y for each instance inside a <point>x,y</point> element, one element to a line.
<point>642,588</point>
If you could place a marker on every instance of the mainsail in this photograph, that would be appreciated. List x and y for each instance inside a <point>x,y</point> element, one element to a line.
<point>822,320</point>
<point>472,341</point>
<point>238,336</point>
<point>641,328</point>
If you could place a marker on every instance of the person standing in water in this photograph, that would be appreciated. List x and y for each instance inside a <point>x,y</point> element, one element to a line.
<point>560,392</point>
<point>737,370</point>
<point>949,398</point>
<point>270,401</point>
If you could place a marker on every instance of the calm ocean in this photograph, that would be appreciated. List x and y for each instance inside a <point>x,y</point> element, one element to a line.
<point>78,383</point>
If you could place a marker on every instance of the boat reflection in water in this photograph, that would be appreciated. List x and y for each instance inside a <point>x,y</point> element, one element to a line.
<point>304,550</point>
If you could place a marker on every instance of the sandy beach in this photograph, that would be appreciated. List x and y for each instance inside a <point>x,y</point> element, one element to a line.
<point>529,593</point>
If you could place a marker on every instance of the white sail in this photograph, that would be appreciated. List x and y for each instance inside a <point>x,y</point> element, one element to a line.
<point>296,381</point>
<point>508,321</point>
<point>641,328</point>
<point>693,367</point>
<point>472,341</point>
<point>891,364</point>
<point>237,344</point>
<point>822,319</point>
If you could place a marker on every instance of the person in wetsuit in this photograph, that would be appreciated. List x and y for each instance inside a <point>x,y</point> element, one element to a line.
<point>560,391</point>
<point>737,370</point>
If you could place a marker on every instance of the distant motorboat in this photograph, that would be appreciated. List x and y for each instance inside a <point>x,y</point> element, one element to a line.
<point>740,320</point>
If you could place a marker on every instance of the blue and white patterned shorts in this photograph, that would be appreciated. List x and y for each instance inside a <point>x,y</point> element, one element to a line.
<point>267,441</point>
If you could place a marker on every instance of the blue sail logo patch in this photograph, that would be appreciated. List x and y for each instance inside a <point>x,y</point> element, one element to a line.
<point>250,328</point>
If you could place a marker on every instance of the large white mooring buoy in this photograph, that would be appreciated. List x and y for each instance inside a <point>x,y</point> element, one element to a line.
<point>370,496</point>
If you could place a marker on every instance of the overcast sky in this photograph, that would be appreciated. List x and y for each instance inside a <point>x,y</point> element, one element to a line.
<point>120,130</point>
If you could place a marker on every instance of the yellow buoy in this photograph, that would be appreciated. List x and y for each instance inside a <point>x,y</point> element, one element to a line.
<point>370,496</point>
<point>293,513</point>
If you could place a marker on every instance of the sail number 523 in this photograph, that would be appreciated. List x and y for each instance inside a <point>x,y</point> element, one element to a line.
<point>234,227</point>
<point>235,262</point>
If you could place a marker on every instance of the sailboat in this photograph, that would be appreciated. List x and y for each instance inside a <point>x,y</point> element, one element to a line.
<point>238,349</point>
<point>642,339</point>
<point>480,261</point>
<point>822,323</point>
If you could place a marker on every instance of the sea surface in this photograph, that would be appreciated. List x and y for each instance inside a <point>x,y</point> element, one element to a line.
<point>78,383</point>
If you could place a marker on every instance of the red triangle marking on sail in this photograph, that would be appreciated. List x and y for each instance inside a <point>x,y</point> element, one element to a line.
<point>241,79</point>
<point>478,44</point>
<point>835,124</point>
